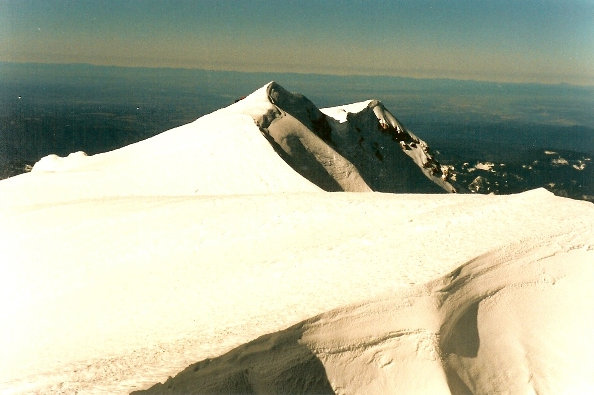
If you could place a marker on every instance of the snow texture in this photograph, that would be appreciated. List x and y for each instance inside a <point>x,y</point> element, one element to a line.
<point>212,255</point>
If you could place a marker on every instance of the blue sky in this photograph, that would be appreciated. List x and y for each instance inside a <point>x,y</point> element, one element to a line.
<point>498,40</point>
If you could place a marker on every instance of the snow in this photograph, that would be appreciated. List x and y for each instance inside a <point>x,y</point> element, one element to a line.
<point>560,161</point>
<point>487,166</point>
<point>220,153</point>
<point>340,113</point>
<point>392,160</point>
<point>123,268</point>
<point>301,134</point>
<point>54,162</point>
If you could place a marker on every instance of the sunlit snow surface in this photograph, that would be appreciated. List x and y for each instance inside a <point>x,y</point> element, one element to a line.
<point>121,269</point>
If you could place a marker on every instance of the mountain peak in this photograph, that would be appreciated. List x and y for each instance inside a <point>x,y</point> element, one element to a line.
<point>363,146</point>
<point>271,141</point>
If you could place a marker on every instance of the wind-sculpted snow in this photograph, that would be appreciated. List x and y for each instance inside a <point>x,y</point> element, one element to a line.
<point>214,246</point>
<point>302,136</point>
<point>494,325</point>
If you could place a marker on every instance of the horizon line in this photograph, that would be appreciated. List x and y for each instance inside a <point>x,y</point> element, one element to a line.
<point>345,75</point>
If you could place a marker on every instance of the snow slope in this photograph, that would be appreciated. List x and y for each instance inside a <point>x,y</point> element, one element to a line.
<point>122,269</point>
<point>220,153</point>
<point>515,320</point>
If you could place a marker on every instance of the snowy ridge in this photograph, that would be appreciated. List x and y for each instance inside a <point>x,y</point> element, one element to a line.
<point>216,155</point>
<point>338,150</point>
<point>377,141</point>
<point>173,254</point>
<point>301,135</point>
<point>222,153</point>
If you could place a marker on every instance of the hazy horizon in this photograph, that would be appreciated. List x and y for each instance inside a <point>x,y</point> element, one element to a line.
<point>306,73</point>
<point>501,41</point>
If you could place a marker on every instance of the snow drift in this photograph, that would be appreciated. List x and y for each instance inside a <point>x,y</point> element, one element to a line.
<point>124,268</point>
<point>506,322</point>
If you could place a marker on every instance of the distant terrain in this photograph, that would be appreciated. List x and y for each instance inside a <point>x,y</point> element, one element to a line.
<point>533,135</point>
<point>501,158</point>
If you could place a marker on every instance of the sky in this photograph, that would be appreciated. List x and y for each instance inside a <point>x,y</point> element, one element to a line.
<point>496,40</point>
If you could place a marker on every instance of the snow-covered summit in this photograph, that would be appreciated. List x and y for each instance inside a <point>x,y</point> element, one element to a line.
<point>271,141</point>
<point>389,155</point>
<point>356,147</point>
<point>222,153</point>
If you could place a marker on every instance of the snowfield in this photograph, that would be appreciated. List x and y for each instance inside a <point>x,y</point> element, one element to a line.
<point>214,255</point>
